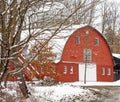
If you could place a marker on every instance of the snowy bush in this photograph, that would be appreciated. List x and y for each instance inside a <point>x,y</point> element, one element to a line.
<point>63,93</point>
<point>47,81</point>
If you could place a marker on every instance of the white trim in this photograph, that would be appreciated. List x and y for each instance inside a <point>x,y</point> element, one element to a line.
<point>65,70</point>
<point>20,60</point>
<point>103,71</point>
<point>34,69</point>
<point>76,62</point>
<point>71,70</point>
<point>108,71</point>
<point>22,56</point>
<point>91,72</point>
<point>87,55</point>
<point>29,64</point>
<point>71,62</point>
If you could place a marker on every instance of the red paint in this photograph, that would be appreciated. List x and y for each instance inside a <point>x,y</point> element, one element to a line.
<point>73,53</point>
<point>68,77</point>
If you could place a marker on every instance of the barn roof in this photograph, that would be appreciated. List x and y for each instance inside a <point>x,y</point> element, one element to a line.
<point>58,44</point>
<point>117,63</point>
<point>61,42</point>
<point>116,60</point>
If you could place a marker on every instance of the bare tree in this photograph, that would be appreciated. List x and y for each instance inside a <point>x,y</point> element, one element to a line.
<point>110,22</point>
<point>34,17</point>
<point>110,16</point>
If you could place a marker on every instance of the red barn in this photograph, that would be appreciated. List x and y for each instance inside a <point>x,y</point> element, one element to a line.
<point>86,49</point>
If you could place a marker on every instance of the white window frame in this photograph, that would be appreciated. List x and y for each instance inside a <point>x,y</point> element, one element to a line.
<point>87,55</point>
<point>54,69</point>
<point>71,69</point>
<point>103,71</point>
<point>42,70</point>
<point>65,70</point>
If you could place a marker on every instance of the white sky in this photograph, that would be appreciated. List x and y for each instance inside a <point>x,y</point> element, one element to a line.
<point>114,0</point>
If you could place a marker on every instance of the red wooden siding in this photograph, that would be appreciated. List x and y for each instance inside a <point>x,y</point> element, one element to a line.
<point>101,54</point>
<point>67,77</point>
<point>67,70</point>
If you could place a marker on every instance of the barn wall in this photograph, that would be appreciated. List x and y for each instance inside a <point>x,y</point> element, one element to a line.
<point>101,54</point>
<point>105,77</point>
<point>61,76</point>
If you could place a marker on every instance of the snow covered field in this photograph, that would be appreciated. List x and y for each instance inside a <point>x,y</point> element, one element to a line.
<point>63,92</point>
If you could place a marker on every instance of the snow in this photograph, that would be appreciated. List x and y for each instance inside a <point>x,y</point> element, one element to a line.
<point>58,92</point>
<point>60,43</point>
<point>116,55</point>
<point>116,83</point>
<point>63,92</point>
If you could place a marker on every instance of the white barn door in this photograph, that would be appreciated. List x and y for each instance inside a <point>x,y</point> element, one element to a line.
<point>91,74</point>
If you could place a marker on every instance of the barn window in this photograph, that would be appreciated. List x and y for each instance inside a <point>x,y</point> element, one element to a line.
<point>65,70</point>
<point>54,69</point>
<point>96,42</point>
<point>42,69</point>
<point>77,40</point>
<point>87,55</point>
<point>109,71</point>
<point>71,69</point>
<point>103,71</point>
<point>48,70</point>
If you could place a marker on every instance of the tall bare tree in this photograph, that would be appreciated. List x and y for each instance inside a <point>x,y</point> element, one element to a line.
<point>110,16</point>
<point>34,17</point>
<point>111,22</point>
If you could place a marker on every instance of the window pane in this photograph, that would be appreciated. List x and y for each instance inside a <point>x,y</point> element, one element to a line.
<point>87,55</point>
<point>65,70</point>
<point>77,40</point>
<point>103,71</point>
<point>96,42</point>
<point>54,69</point>
<point>109,71</point>
<point>71,69</point>
<point>42,69</point>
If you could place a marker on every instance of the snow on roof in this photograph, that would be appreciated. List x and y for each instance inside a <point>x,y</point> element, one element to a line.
<point>116,55</point>
<point>60,43</point>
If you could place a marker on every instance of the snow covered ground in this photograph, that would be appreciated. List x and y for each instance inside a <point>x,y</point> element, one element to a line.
<point>116,83</point>
<point>70,91</point>
<point>63,92</point>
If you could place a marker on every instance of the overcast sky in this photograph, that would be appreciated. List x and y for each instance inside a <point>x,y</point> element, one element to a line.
<point>114,0</point>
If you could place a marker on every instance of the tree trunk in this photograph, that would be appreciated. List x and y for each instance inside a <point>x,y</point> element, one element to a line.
<point>22,85</point>
<point>4,77</point>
